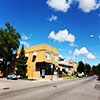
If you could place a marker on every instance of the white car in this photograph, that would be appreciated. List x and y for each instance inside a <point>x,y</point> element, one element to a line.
<point>80,75</point>
<point>12,76</point>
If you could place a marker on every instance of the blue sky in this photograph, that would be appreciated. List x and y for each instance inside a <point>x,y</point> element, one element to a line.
<point>69,22</point>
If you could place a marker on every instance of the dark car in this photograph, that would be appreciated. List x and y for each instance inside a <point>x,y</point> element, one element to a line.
<point>12,76</point>
<point>98,77</point>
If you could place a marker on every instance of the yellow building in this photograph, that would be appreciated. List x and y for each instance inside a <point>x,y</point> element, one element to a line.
<point>40,59</point>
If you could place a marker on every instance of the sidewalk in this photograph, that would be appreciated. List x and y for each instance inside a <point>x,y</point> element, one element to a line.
<point>49,79</point>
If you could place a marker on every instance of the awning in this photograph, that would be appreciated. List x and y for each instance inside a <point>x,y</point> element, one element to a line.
<point>44,64</point>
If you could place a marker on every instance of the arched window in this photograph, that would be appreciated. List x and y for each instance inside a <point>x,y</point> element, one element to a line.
<point>34,56</point>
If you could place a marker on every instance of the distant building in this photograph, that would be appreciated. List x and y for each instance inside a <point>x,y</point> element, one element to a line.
<point>69,65</point>
<point>40,58</point>
<point>74,64</point>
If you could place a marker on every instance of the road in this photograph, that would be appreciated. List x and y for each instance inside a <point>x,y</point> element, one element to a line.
<point>70,89</point>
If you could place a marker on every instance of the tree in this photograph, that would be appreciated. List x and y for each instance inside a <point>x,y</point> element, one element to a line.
<point>87,69</point>
<point>96,69</point>
<point>81,68</point>
<point>9,42</point>
<point>21,63</point>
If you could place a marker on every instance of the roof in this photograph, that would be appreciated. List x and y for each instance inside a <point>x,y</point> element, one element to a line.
<point>39,48</point>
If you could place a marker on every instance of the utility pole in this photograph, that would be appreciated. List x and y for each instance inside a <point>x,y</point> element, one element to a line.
<point>52,61</point>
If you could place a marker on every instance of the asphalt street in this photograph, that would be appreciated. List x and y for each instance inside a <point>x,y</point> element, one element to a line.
<point>70,89</point>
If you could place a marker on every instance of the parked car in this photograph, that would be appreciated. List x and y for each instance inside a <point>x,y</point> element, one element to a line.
<point>80,75</point>
<point>19,76</point>
<point>98,77</point>
<point>12,76</point>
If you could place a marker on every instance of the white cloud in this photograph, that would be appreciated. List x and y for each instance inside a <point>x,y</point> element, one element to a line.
<point>24,43</point>
<point>90,56</point>
<point>76,52</point>
<point>70,51</point>
<point>62,36</point>
<point>84,51</point>
<point>24,37</point>
<point>59,5</point>
<point>53,18</point>
<point>73,45</point>
<point>88,5</point>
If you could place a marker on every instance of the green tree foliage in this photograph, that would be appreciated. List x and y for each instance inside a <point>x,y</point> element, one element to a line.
<point>87,69</point>
<point>81,68</point>
<point>9,42</point>
<point>96,69</point>
<point>21,63</point>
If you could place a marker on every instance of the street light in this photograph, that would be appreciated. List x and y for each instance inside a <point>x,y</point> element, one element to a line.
<point>91,36</point>
<point>52,61</point>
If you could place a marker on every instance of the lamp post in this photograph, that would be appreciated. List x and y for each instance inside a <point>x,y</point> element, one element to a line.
<point>52,61</point>
<point>92,35</point>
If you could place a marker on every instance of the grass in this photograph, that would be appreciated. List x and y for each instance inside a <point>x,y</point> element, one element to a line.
<point>29,79</point>
<point>69,77</point>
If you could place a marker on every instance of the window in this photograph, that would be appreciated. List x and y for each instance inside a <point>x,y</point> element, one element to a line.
<point>34,58</point>
<point>55,58</point>
<point>26,55</point>
<point>48,56</point>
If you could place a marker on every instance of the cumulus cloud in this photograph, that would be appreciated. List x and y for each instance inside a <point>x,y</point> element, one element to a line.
<point>88,5</point>
<point>59,5</point>
<point>90,56</point>
<point>64,5</point>
<point>53,18</point>
<point>24,37</point>
<point>84,51</point>
<point>62,36</point>
<point>76,52</point>
<point>24,43</point>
